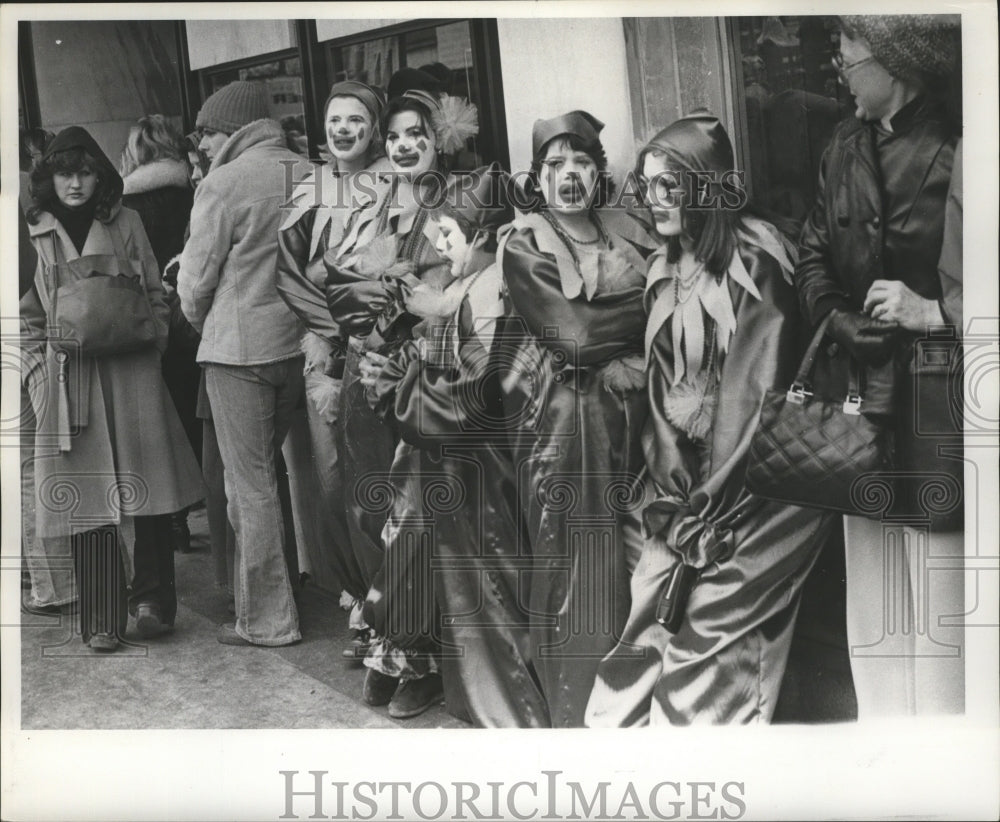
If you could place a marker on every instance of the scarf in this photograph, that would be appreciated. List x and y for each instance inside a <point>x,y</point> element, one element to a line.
<point>76,221</point>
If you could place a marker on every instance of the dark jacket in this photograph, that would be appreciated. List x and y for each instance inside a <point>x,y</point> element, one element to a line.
<point>880,214</point>
<point>879,211</point>
<point>161,193</point>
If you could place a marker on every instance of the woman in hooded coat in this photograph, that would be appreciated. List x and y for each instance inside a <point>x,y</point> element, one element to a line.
<point>111,459</point>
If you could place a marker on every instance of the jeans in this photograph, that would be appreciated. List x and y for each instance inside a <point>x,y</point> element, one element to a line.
<point>252,408</point>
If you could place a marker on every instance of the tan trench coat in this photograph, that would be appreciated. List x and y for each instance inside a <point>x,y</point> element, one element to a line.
<point>127,454</point>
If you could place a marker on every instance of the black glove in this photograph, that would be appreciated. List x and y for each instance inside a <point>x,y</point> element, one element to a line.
<point>871,342</point>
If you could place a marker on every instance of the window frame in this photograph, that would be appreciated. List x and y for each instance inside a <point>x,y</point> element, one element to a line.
<point>317,73</point>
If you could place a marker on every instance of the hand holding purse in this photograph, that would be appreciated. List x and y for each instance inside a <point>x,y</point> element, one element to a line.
<point>810,450</point>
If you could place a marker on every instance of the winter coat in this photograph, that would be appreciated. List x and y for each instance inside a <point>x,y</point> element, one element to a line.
<point>127,453</point>
<point>879,211</point>
<point>161,193</point>
<point>227,276</point>
<point>880,214</point>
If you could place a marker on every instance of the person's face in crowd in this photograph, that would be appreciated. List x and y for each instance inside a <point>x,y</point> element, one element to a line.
<point>409,144</point>
<point>453,245</point>
<point>567,178</point>
<point>75,188</point>
<point>869,83</point>
<point>212,142</point>
<point>196,174</point>
<point>663,195</point>
<point>348,129</point>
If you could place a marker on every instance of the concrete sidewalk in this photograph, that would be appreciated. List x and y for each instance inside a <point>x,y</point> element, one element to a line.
<point>188,680</point>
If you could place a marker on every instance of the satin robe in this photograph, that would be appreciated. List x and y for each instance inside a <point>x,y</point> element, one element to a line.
<point>446,397</point>
<point>367,444</point>
<point>726,662</point>
<point>581,454</point>
<point>320,206</point>
<point>381,475</point>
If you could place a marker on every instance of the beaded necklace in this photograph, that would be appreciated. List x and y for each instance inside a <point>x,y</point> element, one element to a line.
<point>570,241</point>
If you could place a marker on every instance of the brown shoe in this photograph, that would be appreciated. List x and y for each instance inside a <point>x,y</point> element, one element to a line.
<point>379,688</point>
<point>415,696</point>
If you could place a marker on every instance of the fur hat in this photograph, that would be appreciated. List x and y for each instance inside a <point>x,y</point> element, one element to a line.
<point>234,106</point>
<point>909,44</point>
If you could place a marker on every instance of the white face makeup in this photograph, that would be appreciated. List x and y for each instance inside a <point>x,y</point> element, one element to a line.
<point>409,145</point>
<point>870,84</point>
<point>74,188</point>
<point>349,128</point>
<point>567,178</point>
<point>452,245</point>
<point>663,195</point>
<point>212,142</point>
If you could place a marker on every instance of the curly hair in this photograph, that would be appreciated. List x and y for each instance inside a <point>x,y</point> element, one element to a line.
<point>532,199</point>
<point>151,138</point>
<point>42,189</point>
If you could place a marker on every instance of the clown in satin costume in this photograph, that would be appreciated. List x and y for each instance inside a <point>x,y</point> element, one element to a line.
<point>575,274</point>
<point>387,252</point>
<point>445,394</point>
<point>722,329</point>
<point>316,222</point>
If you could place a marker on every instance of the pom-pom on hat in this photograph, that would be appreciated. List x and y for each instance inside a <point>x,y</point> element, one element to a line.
<point>453,119</point>
<point>909,44</point>
<point>234,106</point>
<point>579,123</point>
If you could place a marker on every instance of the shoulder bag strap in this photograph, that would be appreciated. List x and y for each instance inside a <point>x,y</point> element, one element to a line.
<point>57,258</point>
<point>809,358</point>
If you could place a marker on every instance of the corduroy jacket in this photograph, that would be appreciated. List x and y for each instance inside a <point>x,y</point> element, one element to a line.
<point>227,276</point>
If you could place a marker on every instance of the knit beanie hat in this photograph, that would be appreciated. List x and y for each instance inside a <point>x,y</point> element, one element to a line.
<point>233,106</point>
<point>910,44</point>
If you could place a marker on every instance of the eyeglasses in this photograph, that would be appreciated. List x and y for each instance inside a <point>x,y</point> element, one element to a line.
<point>842,67</point>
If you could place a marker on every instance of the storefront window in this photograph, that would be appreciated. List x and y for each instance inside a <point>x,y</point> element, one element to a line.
<point>281,75</point>
<point>792,103</point>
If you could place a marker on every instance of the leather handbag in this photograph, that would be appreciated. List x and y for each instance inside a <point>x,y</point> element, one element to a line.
<point>101,313</point>
<point>810,450</point>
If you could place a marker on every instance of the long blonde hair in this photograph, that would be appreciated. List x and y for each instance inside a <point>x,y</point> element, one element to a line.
<point>151,138</point>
